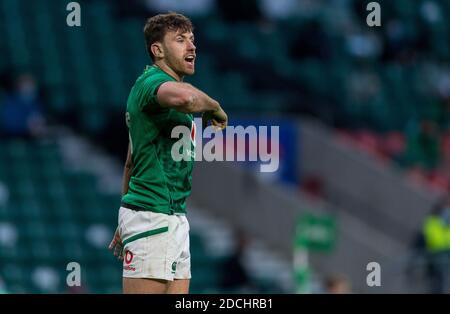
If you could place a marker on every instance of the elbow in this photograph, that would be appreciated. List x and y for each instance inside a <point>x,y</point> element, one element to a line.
<point>185,103</point>
<point>179,96</point>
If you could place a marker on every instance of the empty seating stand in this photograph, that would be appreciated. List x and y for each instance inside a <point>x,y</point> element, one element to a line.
<point>58,216</point>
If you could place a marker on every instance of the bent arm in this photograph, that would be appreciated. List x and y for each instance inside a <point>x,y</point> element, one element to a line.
<point>185,98</point>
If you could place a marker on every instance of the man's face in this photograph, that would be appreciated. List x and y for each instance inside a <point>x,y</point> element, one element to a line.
<point>179,52</point>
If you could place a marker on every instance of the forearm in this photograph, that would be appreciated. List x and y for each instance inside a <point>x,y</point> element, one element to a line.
<point>185,98</point>
<point>199,102</point>
<point>127,170</point>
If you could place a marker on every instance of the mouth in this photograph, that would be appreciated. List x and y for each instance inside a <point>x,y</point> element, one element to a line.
<point>190,59</point>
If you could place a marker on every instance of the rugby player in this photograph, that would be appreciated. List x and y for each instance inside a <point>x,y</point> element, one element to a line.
<point>152,237</point>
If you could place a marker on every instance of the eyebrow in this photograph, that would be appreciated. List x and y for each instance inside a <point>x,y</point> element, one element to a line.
<point>186,36</point>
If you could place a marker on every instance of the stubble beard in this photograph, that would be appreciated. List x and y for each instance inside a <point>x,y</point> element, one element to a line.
<point>177,65</point>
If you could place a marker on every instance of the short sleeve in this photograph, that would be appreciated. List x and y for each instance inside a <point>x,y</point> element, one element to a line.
<point>150,88</point>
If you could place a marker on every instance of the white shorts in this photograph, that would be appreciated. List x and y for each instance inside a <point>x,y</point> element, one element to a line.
<point>155,245</point>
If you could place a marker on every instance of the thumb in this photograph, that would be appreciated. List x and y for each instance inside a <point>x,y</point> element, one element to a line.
<point>112,244</point>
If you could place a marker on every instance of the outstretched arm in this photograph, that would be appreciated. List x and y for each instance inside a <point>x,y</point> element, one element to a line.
<point>186,98</point>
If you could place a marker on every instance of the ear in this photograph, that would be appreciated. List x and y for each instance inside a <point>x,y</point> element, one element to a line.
<point>157,50</point>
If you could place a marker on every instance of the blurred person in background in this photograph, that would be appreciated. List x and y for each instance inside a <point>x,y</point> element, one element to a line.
<point>436,239</point>
<point>152,236</point>
<point>21,113</point>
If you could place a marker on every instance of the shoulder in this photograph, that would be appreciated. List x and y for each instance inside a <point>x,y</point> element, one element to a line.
<point>146,87</point>
<point>153,75</point>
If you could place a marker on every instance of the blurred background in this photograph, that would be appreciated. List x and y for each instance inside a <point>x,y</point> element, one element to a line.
<point>364,144</point>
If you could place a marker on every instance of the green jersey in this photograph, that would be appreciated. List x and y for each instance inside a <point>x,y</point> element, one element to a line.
<point>158,183</point>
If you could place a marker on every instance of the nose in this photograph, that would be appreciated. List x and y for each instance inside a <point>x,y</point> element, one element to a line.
<point>191,46</point>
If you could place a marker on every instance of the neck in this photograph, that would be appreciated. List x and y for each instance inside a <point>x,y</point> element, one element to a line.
<point>163,66</point>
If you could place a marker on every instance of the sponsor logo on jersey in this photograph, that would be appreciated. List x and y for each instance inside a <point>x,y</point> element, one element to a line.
<point>128,259</point>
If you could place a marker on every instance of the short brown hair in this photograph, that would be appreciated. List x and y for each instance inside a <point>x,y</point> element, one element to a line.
<point>156,27</point>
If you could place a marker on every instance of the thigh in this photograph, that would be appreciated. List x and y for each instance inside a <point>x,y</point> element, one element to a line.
<point>145,239</point>
<point>144,286</point>
<point>178,286</point>
<point>179,249</point>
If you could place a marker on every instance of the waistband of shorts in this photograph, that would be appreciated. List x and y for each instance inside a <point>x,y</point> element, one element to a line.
<point>141,209</point>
